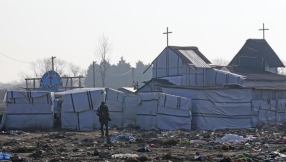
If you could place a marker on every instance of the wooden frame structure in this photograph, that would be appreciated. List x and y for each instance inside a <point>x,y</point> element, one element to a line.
<point>66,85</point>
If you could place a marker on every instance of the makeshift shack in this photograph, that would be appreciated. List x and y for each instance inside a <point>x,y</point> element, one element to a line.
<point>78,108</point>
<point>29,110</point>
<point>163,111</point>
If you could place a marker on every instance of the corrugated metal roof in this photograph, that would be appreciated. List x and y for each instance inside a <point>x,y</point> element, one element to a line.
<point>193,57</point>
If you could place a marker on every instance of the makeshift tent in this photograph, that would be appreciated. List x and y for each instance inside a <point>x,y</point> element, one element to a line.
<point>29,110</point>
<point>269,105</point>
<point>114,100</point>
<point>218,108</point>
<point>163,111</point>
<point>147,110</point>
<point>78,108</point>
<point>129,109</point>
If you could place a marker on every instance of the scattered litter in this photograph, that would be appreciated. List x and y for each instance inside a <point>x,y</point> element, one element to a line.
<point>242,158</point>
<point>198,156</point>
<point>124,156</point>
<point>4,156</point>
<point>199,141</point>
<point>274,156</point>
<point>17,132</point>
<point>232,138</point>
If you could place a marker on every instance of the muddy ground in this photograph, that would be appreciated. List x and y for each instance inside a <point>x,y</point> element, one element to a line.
<point>61,145</point>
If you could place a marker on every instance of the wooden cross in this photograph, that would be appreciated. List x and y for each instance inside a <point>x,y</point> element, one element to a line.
<point>263,29</point>
<point>167,36</point>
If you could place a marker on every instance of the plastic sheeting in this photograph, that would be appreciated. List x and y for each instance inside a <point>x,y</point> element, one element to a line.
<point>27,97</point>
<point>80,121</point>
<point>29,110</point>
<point>269,111</point>
<point>218,108</point>
<point>29,122</point>
<point>146,110</point>
<point>129,110</point>
<point>114,101</point>
<point>78,108</point>
<point>174,112</point>
<point>163,111</point>
<point>81,99</point>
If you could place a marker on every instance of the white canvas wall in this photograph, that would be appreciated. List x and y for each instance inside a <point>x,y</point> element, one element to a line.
<point>129,109</point>
<point>218,108</point>
<point>269,106</point>
<point>167,64</point>
<point>163,111</point>
<point>220,77</point>
<point>146,110</point>
<point>29,110</point>
<point>79,100</point>
<point>114,101</point>
<point>174,112</point>
<point>78,108</point>
<point>80,121</point>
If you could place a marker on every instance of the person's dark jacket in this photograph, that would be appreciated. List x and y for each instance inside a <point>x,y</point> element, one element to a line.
<point>103,113</point>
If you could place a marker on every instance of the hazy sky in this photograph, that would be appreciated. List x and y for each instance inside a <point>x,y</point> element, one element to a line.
<point>69,29</point>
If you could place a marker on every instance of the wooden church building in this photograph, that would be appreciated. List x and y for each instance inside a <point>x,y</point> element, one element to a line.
<point>254,65</point>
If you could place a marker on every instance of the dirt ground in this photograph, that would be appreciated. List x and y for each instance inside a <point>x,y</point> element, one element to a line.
<point>60,145</point>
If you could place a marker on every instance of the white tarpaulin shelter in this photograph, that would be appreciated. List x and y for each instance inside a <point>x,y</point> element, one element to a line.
<point>163,111</point>
<point>233,108</point>
<point>215,108</point>
<point>269,105</point>
<point>29,110</point>
<point>129,109</point>
<point>78,108</point>
<point>114,100</point>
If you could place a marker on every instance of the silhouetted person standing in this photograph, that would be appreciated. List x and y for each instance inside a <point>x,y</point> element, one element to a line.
<point>103,114</point>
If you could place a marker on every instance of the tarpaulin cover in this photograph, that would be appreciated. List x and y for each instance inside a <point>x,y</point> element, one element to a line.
<point>163,111</point>
<point>27,110</point>
<point>269,111</point>
<point>218,108</point>
<point>130,109</point>
<point>146,110</point>
<point>29,121</point>
<point>114,101</point>
<point>174,112</point>
<point>80,121</point>
<point>81,99</point>
<point>24,97</point>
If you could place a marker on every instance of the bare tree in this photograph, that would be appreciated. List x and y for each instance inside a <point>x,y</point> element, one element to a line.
<point>41,66</point>
<point>75,70</point>
<point>220,61</point>
<point>103,52</point>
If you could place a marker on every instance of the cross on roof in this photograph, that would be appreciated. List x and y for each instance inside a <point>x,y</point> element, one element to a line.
<point>167,36</point>
<point>263,29</point>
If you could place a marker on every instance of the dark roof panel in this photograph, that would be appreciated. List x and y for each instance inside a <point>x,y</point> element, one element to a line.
<point>256,74</point>
<point>254,52</point>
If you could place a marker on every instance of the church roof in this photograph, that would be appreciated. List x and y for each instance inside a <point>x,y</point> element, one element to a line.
<point>254,74</point>
<point>191,55</point>
<point>254,52</point>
